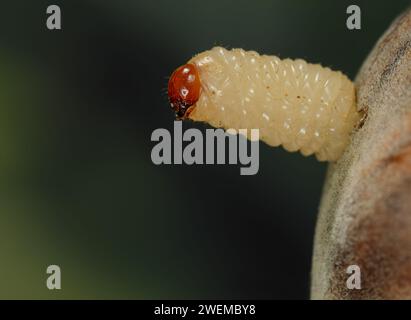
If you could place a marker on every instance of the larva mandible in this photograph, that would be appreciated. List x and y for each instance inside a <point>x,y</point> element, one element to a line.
<point>296,104</point>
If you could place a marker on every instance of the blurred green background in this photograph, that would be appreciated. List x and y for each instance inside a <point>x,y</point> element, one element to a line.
<point>77,185</point>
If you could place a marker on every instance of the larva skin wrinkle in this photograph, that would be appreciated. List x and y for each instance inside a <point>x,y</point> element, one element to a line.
<point>298,105</point>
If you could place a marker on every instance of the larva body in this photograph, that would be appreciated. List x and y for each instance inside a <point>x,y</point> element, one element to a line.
<point>298,105</point>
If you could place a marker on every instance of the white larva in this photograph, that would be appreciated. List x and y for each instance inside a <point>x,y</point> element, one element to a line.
<point>296,104</point>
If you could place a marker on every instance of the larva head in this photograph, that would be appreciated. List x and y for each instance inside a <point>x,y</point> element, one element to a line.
<point>184,89</point>
<point>194,89</point>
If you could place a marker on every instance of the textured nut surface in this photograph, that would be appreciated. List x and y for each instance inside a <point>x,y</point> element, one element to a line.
<point>365,211</point>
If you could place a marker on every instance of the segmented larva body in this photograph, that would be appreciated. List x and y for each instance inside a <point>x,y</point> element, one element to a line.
<point>296,104</point>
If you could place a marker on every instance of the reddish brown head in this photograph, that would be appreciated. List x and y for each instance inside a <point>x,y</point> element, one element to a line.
<point>184,89</point>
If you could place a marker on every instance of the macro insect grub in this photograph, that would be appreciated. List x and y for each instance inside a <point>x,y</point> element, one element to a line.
<point>298,105</point>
